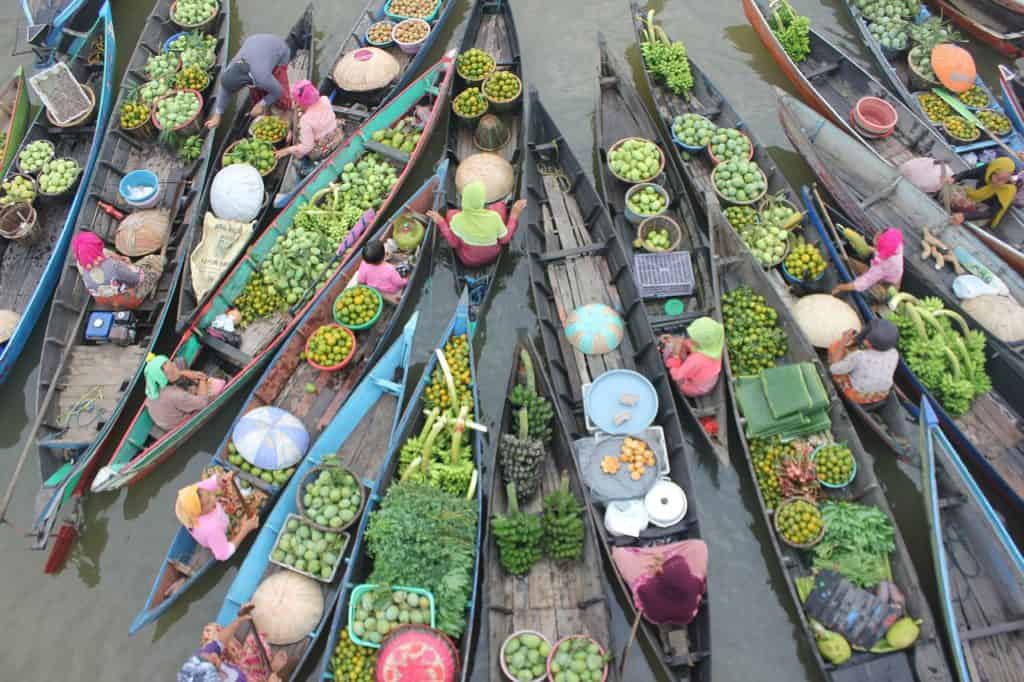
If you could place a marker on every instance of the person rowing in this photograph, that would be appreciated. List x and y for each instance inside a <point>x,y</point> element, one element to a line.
<point>695,363</point>
<point>863,365</point>
<point>886,266</point>
<point>477,232</point>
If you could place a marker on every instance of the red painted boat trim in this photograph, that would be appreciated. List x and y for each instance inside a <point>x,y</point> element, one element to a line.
<point>1012,47</point>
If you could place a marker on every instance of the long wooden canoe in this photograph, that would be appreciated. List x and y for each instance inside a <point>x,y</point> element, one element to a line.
<point>361,434</point>
<point>491,28</point>
<point>585,262</point>
<point>980,571</point>
<point>98,379</point>
<point>14,106</point>
<point>29,273</point>
<point>284,385</point>
<point>359,564</point>
<point>1011,82</point>
<point>832,82</point>
<point>52,22</point>
<point>143,447</point>
<point>994,25</point>
<point>301,66</point>
<point>621,114</point>
<point>896,75</point>
<point>990,435</point>
<point>557,600</point>
<point>925,661</point>
<point>874,195</point>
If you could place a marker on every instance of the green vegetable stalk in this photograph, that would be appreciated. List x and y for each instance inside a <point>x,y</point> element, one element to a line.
<point>792,30</point>
<point>666,60</point>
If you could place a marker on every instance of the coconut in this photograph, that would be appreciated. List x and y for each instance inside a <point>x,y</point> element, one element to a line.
<point>365,69</point>
<point>1000,315</point>
<point>142,233</point>
<point>494,171</point>
<point>824,318</point>
<point>288,607</point>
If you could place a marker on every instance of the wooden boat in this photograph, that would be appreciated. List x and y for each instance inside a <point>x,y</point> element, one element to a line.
<point>52,22</point>
<point>491,28</point>
<point>1012,85</point>
<point>284,384</point>
<point>144,446</point>
<point>29,270</point>
<point>360,434</point>
<point>553,599</point>
<point>100,377</point>
<point>979,568</point>
<point>874,196</point>
<point>707,100</point>
<point>988,436</point>
<point>14,106</point>
<point>585,262</point>
<point>359,564</point>
<point>994,25</point>
<point>925,661</point>
<point>831,82</point>
<point>896,75</point>
<point>620,114</point>
<point>300,40</point>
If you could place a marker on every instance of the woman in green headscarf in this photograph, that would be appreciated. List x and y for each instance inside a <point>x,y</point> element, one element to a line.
<point>695,363</point>
<point>995,192</point>
<point>170,403</point>
<point>477,232</point>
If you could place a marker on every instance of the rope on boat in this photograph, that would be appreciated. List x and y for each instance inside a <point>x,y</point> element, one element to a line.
<point>554,170</point>
<point>84,405</point>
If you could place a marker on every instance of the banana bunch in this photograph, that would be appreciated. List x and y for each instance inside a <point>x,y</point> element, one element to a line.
<point>562,523</point>
<point>518,536</point>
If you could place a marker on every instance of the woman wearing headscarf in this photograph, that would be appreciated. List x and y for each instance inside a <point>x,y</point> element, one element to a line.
<point>319,134</point>
<point>994,195</point>
<point>695,363</point>
<point>863,365</point>
<point>199,510</point>
<point>108,275</point>
<point>886,266</point>
<point>221,657</point>
<point>168,402</point>
<point>478,232</point>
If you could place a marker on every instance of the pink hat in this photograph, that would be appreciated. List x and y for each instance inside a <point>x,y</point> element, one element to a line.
<point>305,93</point>
<point>888,243</point>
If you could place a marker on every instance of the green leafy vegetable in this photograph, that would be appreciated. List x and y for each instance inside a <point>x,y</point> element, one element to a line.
<point>792,30</point>
<point>857,543</point>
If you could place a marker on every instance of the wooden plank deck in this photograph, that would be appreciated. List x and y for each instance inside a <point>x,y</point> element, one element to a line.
<point>999,435</point>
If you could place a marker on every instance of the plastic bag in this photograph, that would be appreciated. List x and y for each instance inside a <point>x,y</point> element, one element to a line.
<point>237,193</point>
<point>926,173</point>
<point>969,286</point>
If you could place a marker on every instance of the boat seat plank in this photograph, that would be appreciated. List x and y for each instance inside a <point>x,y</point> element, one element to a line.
<point>997,629</point>
<point>259,333</point>
<point>999,436</point>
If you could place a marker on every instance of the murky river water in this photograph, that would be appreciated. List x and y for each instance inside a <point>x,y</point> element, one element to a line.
<point>73,626</point>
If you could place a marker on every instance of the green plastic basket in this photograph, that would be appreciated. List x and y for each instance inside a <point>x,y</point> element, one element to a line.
<point>369,323</point>
<point>360,590</point>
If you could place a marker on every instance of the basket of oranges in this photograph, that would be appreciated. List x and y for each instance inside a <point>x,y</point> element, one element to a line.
<point>331,347</point>
<point>358,307</point>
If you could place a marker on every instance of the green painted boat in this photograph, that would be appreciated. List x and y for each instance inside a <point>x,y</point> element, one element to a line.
<point>144,445</point>
<point>14,106</point>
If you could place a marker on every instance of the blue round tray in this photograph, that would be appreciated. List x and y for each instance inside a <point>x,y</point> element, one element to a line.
<point>602,402</point>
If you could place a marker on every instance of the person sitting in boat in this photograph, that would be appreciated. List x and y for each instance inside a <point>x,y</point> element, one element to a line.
<point>886,266</point>
<point>319,134</point>
<point>994,195</point>
<point>261,64</point>
<point>863,365</point>
<point>695,363</point>
<point>222,657</point>
<point>376,272</point>
<point>477,232</point>
<point>199,510</point>
<point>109,276</point>
<point>175,393</point>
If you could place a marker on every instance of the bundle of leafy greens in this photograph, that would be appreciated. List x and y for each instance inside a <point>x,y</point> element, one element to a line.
<point>857,543</point>
<point>422,536</point>
<point>792,30</point>
<point>948,358</point>
<point>666,60</point>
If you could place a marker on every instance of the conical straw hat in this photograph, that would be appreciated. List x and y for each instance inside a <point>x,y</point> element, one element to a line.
<point>364,69</point>
<point>824,318</point>
<point>288,607</point>
<point>494,171</point>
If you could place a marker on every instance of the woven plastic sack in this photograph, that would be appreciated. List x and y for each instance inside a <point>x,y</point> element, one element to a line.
<point>222,241</point>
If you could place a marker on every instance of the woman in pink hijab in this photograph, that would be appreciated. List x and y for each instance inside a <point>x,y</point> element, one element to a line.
<point>886,267</point>
<point>319,134</point>
<point>112,278</point>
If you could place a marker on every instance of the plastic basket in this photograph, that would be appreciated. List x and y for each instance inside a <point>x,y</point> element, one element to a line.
<point>65,99</point>
<point>875,116</point>
<point>340,365</point>
<point>70,189</point>
<point>853,472</point>
<point>664,275</point>
<point>736,202</point>
<point>337,562</point>
<point>53,153</point>
<point>502,104</point>
<point>387,43</point>
<point>193,126</point>
<point>660,222</point>
<point>300,492</point>
<point>775,524</point>
<point>224,156</point>
<point>556,645</point>
<point>170,41</point>
<point>399,17</point>
<point>501,653</point>
<point>359,590</point>
<point>637,218</point>
<point>661,155</point>
<point>371,321</point>
<point>192,27</point>
<point>411,48</point>
<point>683,145</point>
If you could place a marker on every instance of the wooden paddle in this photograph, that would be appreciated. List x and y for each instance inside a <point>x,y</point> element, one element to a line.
<point>961,108</point>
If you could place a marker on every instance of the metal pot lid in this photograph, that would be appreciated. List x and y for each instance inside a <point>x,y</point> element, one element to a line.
<point>626,517</point>
<point>665,503</point>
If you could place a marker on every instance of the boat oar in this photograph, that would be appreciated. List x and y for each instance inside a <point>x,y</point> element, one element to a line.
<point>961,108</point>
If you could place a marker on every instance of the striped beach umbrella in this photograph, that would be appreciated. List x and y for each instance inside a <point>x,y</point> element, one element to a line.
<point>270,438</point>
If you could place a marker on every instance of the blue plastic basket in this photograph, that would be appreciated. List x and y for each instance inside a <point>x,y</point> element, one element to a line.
<point>853,473</point>
<point>399,17</point>
<point>360,590</point>
<point>679,143</point>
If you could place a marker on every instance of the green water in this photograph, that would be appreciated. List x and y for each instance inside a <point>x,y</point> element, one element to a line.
<point>74,625</point>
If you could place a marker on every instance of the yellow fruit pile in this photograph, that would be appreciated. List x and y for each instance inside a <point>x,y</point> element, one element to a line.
<point>799,522</point>
<point>805,261</point>
<point>329,345</point>
<point>357,306</point>
<point>456,353</point>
